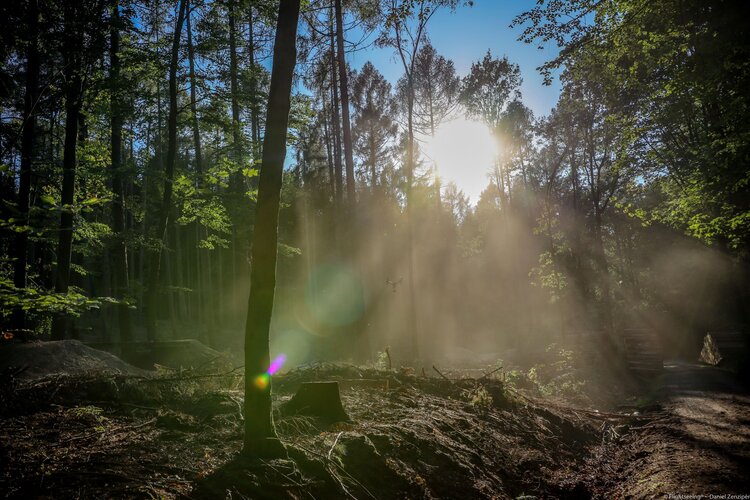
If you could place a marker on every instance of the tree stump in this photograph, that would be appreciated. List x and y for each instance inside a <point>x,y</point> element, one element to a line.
<point>317,399</point>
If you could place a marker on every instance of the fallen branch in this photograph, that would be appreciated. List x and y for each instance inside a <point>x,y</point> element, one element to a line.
<point>441,374</point>
<point>191,377</point>
<point>570,409</point>
<point>119,430</point>
<point>484,377</point>
<point>328,464</point>
<point>335,441</point>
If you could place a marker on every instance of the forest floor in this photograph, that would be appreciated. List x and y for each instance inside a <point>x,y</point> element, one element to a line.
<point>177,434</point>
<point>694,439</point>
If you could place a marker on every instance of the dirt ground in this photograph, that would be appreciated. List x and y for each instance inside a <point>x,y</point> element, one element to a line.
<point>114,436</point>
<point>72,357</point>
<point>177,434</point>
<point>694,439</point>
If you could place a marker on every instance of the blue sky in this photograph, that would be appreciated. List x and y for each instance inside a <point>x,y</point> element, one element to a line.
<point>466,34</point>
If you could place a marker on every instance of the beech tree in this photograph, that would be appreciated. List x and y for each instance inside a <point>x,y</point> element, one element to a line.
<point>260,435</point>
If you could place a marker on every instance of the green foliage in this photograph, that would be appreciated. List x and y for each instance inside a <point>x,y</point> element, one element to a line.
<point>674,76</point>
<point>548,276</point>
<point>558,376</point>
<point>203,207</point>
<point>489,87</point>
<point>40,302</point>
<point>288,251</point>
<point>382,361</point>
<point>478,397</point>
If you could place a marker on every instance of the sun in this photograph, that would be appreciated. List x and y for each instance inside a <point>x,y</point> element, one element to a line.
<point>463,151</point>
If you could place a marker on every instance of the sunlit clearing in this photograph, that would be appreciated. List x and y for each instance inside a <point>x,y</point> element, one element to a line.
<point>463,151</point>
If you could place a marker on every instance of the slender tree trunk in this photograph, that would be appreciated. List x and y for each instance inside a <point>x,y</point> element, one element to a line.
<point>344,85</point>
<point>179,275</point>
<point>373,160</point>
<point>27,152</point>
<point>73,97</point>
<point>329,152</point>
<point>202,256</point>
<point>193,97</point>
<point>237,185</point>
<point>336,124</point>
<point>161,227</point>
<point>413,318</point>
<point>254,118</point>
<point>601,260</point>
<point>260,435</point>
<point>119,251</point>
<point>233,85</point>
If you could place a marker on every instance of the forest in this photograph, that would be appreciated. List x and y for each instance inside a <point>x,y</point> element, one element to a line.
<point>293,249</point>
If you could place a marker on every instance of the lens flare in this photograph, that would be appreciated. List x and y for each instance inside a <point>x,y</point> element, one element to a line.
<point>276,364</point>
<point>264,379</point>
<point>335,295</point>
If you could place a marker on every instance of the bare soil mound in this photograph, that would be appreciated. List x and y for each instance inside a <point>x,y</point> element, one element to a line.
<point>35,360</point>
<point>177,436</point>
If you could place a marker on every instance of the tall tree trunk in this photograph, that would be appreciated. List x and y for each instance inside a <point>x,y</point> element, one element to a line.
<point>351,196</point>
<point>344,85</point>
<point>260,435</point>
<point>203,272</point>
<point>329,152</point>
<point>603,265</point>
<point>27,152</point>
<point>233,85</point>
<point>373,160</point>
<point>119,250</point>
<point>73,95</point>
<point>237,185</point>
<point>193,97</point>
<point>161,228</point>
<point>336,123</point>
<point>413,318</point>
<point>254,118</point>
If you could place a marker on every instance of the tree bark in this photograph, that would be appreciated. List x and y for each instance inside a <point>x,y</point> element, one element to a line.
<point>344,85</point>
<point>73,96</point>
<point>161,228</point>
<point>413,317</point>
<point>233,85</point>
<point>193,96</point>
<point>27,152</point>
<point>203,273</point>
<point>260,434</point>
<point>254,119</point>
<point>119,250</point>
<point>336,124</point>
<point>237,186</point>
<point>329,152</point>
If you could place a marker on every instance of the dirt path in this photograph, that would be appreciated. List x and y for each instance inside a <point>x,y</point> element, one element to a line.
<point>696,443</point>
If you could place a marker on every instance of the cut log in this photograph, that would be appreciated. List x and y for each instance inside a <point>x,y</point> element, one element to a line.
<point>317,399</point>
